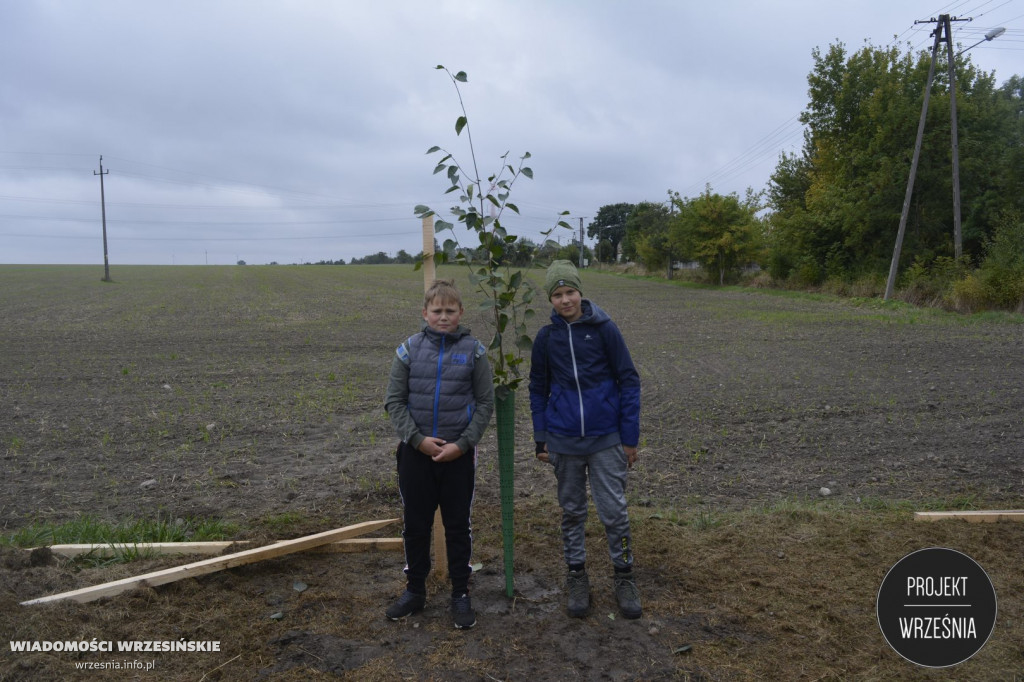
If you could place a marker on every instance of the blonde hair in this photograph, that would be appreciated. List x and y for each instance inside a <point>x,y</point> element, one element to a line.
<point>443,290</point>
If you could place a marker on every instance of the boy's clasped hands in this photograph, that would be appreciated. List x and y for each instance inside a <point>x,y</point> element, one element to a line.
<point>439,450</point>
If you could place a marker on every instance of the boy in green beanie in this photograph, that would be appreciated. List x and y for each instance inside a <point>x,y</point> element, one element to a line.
<point>585,402</point>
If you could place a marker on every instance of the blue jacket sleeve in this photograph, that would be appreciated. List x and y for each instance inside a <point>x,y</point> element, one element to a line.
<point>540,387</point>
<point>628,380</point>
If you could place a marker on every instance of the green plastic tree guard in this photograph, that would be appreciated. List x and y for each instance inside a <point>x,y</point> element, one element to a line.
<point>505,415</point>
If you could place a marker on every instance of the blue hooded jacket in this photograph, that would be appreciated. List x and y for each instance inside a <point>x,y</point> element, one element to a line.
<point>584,389</point>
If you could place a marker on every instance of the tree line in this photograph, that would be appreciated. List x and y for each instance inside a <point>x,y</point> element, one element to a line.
<point>830,212</point>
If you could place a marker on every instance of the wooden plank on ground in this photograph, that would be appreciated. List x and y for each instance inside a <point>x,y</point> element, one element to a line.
<point>249,556</point>
<point>972,516</point>
<point>145,548</point>
<point>211,547</point>
<point>363,545</point>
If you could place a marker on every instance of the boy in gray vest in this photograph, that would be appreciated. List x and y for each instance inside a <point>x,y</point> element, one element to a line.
<point>585,403</point>
<point>440,399</point>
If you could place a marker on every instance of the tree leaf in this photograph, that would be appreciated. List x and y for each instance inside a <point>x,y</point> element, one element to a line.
<point>460,123</point>
<point>528,172</point>
<point>461,77</point>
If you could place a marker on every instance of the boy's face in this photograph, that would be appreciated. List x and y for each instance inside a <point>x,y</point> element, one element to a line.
<point>442,316</point>
<point>568,302</point>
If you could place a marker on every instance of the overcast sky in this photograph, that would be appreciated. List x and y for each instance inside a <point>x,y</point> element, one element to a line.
<point>296,131</point>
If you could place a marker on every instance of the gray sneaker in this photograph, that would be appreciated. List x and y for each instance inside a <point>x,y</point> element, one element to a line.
<point>577,584</point>
<point>628,595</point>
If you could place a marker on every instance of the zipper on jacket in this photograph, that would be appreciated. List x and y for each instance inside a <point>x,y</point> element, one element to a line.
<point>576,376</point>
<point>437,385</point>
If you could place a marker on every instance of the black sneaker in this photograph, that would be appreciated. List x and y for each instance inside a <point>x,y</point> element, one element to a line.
<point>407,604</point>
<point>577,584</point>
<point>462,612</point>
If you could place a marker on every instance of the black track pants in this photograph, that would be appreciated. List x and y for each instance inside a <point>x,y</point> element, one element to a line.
<point>424,485</point>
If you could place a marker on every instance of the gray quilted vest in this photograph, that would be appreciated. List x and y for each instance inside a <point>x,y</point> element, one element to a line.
<point>441,381</point>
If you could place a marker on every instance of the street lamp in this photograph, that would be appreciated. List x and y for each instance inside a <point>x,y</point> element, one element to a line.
<point>991,35</point>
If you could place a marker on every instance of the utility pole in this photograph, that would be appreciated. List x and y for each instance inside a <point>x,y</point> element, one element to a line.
<point>941,33</point>
<point>103,209</point>
<point>581,242</point>
<point>958,247</point>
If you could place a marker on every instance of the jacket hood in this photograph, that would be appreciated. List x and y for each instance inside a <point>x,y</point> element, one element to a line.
<point>591,314</point>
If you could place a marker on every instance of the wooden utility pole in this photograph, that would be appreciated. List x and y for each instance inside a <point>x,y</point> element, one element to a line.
<point>942,33</point>
<point>103,209</point>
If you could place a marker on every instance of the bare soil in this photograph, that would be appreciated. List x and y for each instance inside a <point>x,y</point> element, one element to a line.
<point>253,395</point>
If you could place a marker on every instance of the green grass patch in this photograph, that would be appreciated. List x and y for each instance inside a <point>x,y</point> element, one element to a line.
<point>91,530</point>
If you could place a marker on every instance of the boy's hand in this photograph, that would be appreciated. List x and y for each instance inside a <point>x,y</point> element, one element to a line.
<point>439,450</point>
<point>431,447</point>
<point>631,455</point>
<point>449,452</point>
<point>542,452</point>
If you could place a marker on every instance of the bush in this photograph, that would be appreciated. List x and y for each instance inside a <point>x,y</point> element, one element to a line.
<point>807,273</point>
<point>1001,274</point>
<point>931,283</point>
<point>967,295</point>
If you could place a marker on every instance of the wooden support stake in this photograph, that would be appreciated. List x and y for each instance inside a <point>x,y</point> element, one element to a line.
<point>972,516</point>
<point>428,251</point>
<point>440,545</point>
<point>170,575</point>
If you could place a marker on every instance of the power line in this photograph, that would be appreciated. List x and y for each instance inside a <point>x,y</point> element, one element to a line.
<point>36,235</point>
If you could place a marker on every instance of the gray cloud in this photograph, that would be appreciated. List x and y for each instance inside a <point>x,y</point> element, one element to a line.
<point>296,131</point>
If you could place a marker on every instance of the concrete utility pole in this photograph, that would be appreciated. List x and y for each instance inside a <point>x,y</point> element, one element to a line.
<point>103,209</point>
<point>581,242</point>
<point>954,139</point>
<point>941,33</point>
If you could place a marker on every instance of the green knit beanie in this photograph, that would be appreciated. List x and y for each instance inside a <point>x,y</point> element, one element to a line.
<point>562,273</point>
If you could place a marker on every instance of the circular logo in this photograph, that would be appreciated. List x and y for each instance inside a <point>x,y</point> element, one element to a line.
<point>936,607</point>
